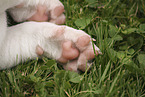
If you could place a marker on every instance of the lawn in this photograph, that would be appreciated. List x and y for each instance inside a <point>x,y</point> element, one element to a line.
<point>119,29</point>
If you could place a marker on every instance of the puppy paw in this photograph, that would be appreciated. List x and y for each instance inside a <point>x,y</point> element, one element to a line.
<point>40,11</point>
<point>40,14</point>
<point>57,11</point>
<point>67,45</point>
<point>59,20</point>
<point>83,62</point>
<point>77,50</point>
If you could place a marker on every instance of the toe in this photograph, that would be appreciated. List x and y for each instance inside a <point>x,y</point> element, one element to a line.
<point>69,52</point>
<point>62,60</point>
<point>59,20</point>
<point>40,15</point>
<point>83,63</point>
<point>39,51</point>
<point>71,66</point>
<point>84,67</point>
<point>41,9</point>
<point>57,11</point>
<point>83,42</point>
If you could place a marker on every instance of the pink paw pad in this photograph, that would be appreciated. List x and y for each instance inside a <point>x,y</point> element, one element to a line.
<point>59,20</point>
<point>71,66</point>
<point>87,55</point>
<point>57,12</point>
<point>68,52</point>
<point>39,51</point>
<point>59,32</point>
<point>40,15</point>
<point>84,67</point>
<point>83,42</point>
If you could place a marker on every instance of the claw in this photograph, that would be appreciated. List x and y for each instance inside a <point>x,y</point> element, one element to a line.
<point>98,50</point>
<point>93,39</point>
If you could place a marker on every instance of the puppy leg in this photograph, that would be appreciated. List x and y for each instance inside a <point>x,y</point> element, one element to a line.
<point>81,41</point>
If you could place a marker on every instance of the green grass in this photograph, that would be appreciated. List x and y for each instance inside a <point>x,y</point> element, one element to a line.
<point>119,29</point>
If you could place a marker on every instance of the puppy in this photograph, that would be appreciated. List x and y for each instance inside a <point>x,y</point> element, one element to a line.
<point>37,37</point>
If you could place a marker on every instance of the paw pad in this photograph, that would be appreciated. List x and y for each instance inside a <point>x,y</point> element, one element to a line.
<point>39,51</point>
<point>59,32</point>
<point>57,12</point>
<point>83,42</point>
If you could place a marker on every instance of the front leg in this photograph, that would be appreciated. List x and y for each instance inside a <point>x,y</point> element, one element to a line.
<point>30,40</point>
<point>22,40</point>
<point>27,40</point>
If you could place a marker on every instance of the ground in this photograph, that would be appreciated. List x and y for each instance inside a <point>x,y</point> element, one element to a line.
<point>119,29</point>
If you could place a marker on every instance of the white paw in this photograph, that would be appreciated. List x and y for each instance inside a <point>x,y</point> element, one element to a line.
<point>39,10</point>
<point>73,48</point>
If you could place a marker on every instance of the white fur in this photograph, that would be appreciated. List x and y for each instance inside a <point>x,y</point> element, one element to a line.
<point>18,43</point>
<point>5,4</point>
<point>28,10</point>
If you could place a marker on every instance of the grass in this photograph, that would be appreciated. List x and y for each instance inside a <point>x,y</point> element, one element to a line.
<point>119,29</point>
